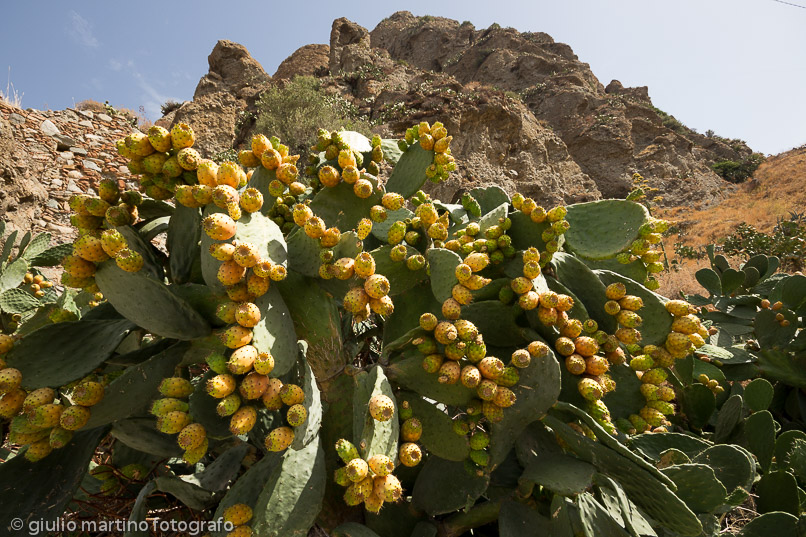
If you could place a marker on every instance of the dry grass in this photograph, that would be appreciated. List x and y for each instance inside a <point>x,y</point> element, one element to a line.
<point>778,187</point>
<point>11,97</point>
<point>139,118</point>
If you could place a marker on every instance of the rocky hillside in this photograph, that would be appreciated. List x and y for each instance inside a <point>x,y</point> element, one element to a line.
<point>47,156</point>
<point>527,113</point>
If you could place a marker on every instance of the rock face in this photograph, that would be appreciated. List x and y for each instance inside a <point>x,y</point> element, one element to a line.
<point>526,113</point>
<point>233,83</point>
<point>310,60</point>
<point>47,156</point>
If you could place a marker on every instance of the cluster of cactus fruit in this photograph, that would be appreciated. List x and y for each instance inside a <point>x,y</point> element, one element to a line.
<point>44,419</point>
<point>290,302</point>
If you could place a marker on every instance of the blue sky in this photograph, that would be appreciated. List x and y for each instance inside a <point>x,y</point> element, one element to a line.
<point>734,66</point>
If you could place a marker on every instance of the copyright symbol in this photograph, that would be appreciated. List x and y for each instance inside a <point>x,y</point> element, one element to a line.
<point>16,524</point>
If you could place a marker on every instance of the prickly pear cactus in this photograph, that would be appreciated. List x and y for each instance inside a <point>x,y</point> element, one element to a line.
<point>326,344</point>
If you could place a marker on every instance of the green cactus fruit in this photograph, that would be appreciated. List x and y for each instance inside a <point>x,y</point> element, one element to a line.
<point>129,260</point>
<point>628,318</point>
<point>74,418</point>
<point>228,405</point>
<point>654,376</point>
<point>631,303</point>
<point>217,362</point>
<point>665,393</point>
<point>410,454</point>
<point>678,308</point>
<point>396,233</point>
<point>264,364</point>
<point>172,422</point>
<point>628,336</point>
<point>38,450</point>
<point>480,457</point>
<point>296,415</point>
<point>226,312</point>
<point>411,430</point>
<point>346,450</point>
<point>479,440</point>
<point>89,248</point>
<point>664,407</point>
<point>159,138</point>
<point>405,411</point>
<point>432,363</point>
<point>616,291</point>
<point>220,386</point>
<point>461,426</point>
<point>291,394</point>
<point>193,456</point>
<point>39,397</point>
<point>243,420</point>
<point>590,389</point>
<point>340,477</point>
<point>651,416</point>
<point>649,391</point>
<point>59,437</point>
<point>160,407</point>
<point>182,136</point>
<point>638,423</point>
<point>112,242</point>
<point>428,321</point>
<point>509,377</point>
<point>175,387</point>
<point>191,436</point>
<point>598,410</point>
<point>642,362</point>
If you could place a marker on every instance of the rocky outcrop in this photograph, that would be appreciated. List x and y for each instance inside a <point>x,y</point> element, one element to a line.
<point>233,83</point>
<point>232,70</point>
<point>310,60</point>
<point>611,132</point>
<point>47,156</point>
<point>526,112</point>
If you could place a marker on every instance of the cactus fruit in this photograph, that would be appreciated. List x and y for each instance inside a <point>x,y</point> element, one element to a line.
<point>172,422</point>
<point>236,336</point>
<point>129,260</point>
<point>237,514</point>
<point>654,376</point>
<point>74,417</point>
<point>175,387</point>
<point>219,226</point>
<point>88,393</point>
<point>192,436</point>
<point>11,403</point>
<point>279,439</point>
<point>182,136</point>
<point>38,397</point>
<point>247,314</point>
<point>377,286</point>
<point>112,242</point>
<point>381,408</point>
<point>411,430</point>
<point>220,386</point>
<point>410,454</point>
<point>590,389</point>
<point>357,469</point>
<point>243,420</point>
<point>388,487</point>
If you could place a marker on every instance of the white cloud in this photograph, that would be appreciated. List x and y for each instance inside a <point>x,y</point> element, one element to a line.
<point>81,31</point>
<point>115,65</point>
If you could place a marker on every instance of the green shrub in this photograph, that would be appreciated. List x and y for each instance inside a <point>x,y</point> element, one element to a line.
<point>294,112</point>
<point>737,171</point>
<point>787,241</point>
